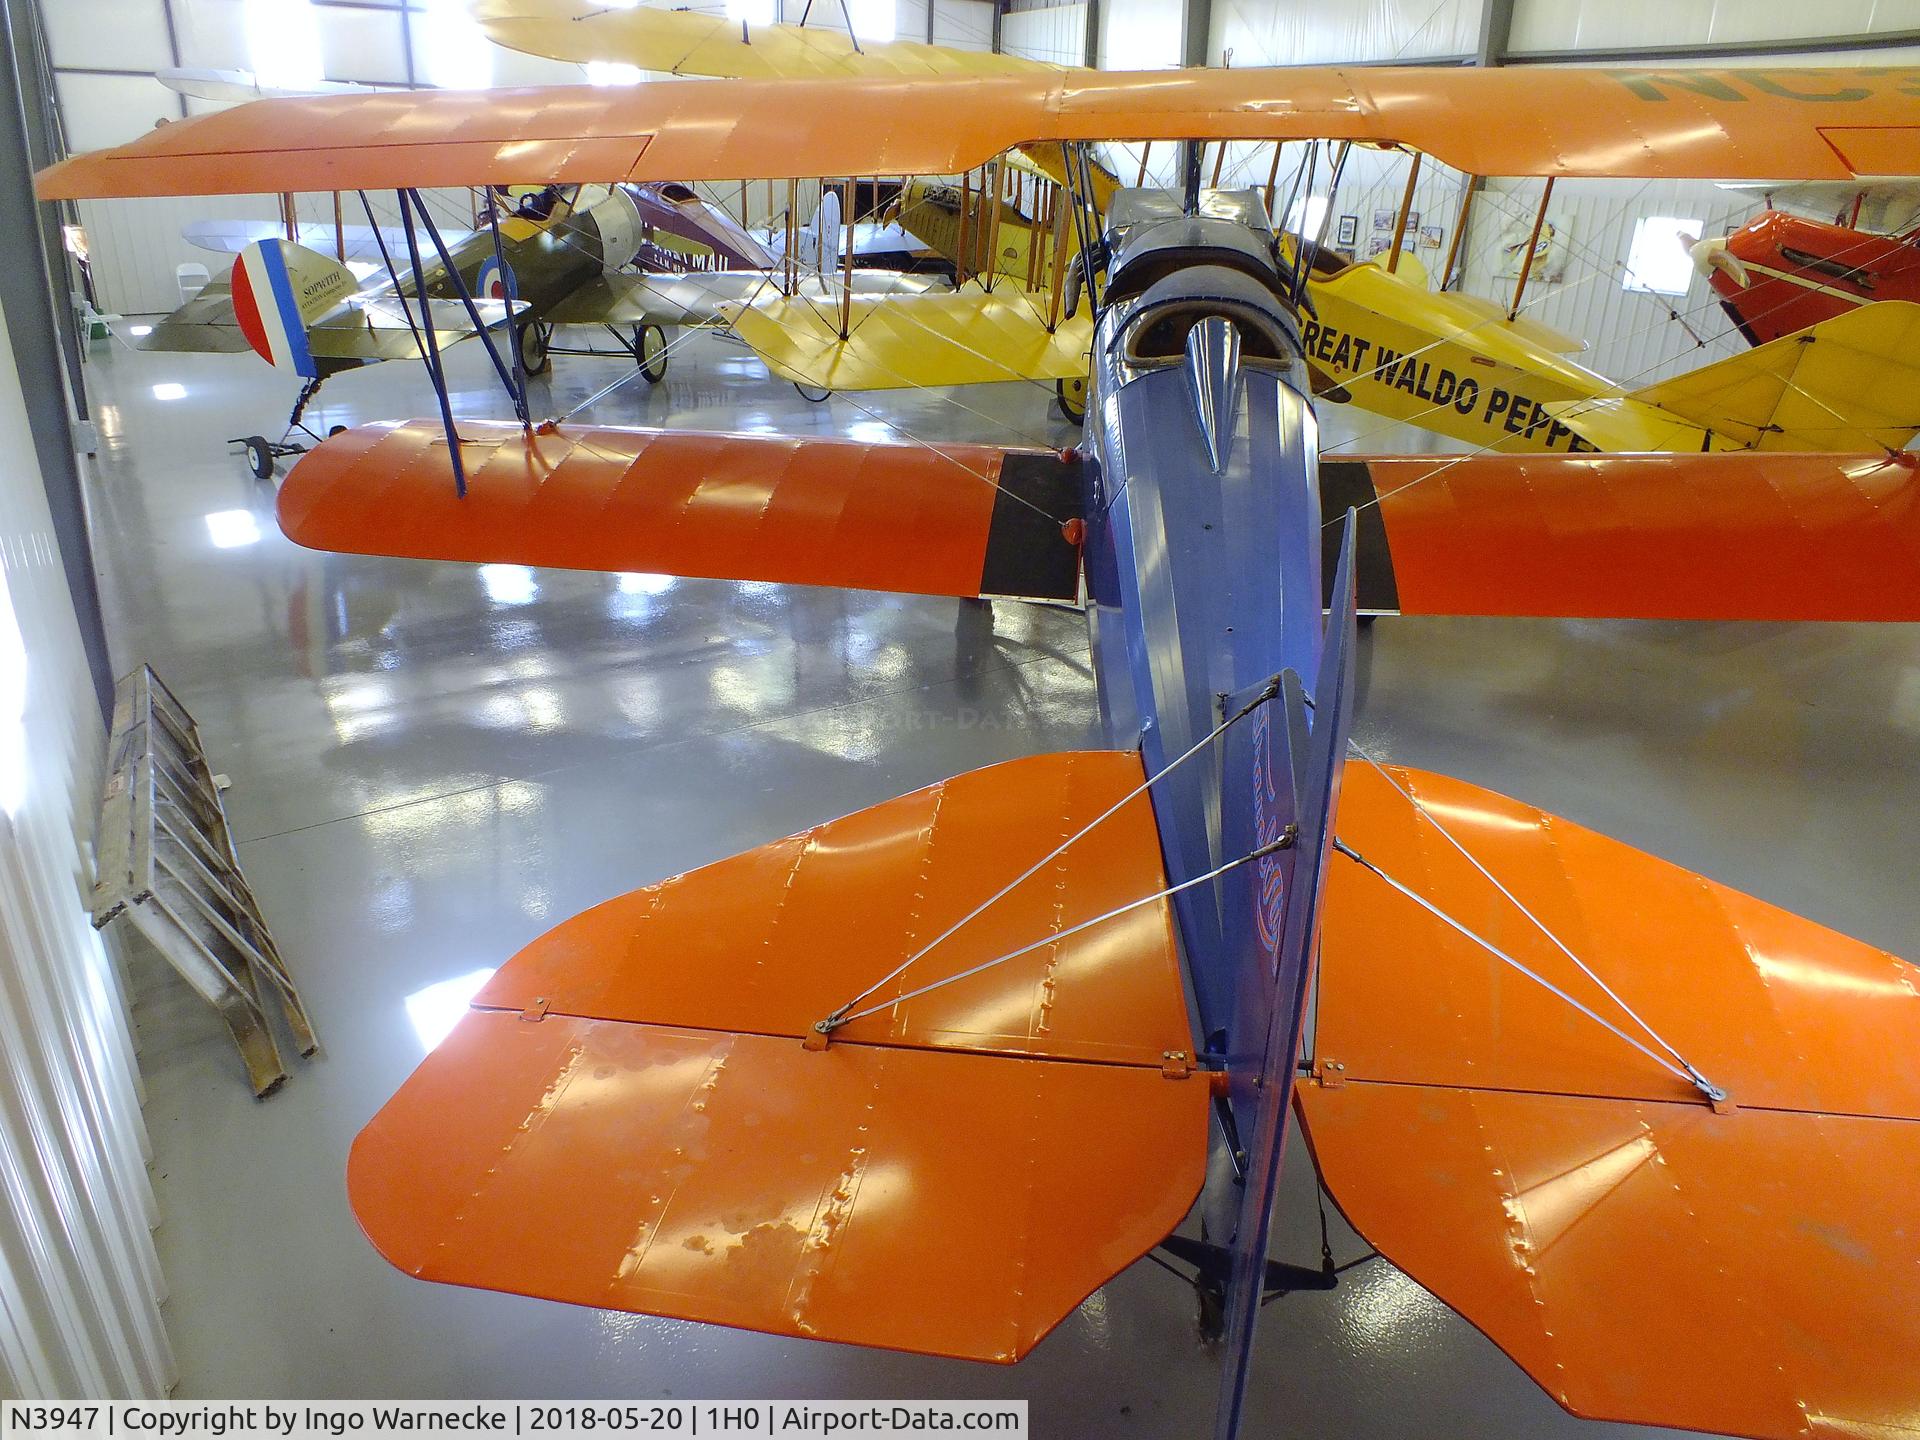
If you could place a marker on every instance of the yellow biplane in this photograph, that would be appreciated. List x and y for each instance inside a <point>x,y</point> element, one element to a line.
<point>1376,334</point>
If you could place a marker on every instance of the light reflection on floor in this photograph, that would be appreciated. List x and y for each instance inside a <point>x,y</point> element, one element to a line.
<point>433,763</point>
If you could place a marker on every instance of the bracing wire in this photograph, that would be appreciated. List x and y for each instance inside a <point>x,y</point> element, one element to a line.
<point>1684,1073</point>
<point>1421,810</point>
<point>834,1022</point>
<point>842,1016</point>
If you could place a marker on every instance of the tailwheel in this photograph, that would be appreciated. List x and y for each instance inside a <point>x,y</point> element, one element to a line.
<point>811,392</point>
<point>1072,395</point>
<point>260,456</point>
<point>650,352</point>
<point>532,338</point>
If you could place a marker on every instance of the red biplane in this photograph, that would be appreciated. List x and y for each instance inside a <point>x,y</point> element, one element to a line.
<point>1779,273</point>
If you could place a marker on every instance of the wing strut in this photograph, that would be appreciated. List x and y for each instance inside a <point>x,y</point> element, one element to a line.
<point>432,356</point>
<point>507,286</point>
<point>507,376</point>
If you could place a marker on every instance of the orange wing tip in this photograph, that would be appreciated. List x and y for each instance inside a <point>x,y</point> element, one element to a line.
<point>629,1119</point>
<point>1644,1256</point>
<point>1658,1264</point>
<point>938,1202</point>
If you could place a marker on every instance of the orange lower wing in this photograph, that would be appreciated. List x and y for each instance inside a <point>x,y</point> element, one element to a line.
<point>628,1117</point>
<point>1643,1256</point>
<point>919,519</point>
<point>1732,536</point>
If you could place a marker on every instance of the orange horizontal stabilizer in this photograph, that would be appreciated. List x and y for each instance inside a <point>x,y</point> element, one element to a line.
<point>920,519</point>
<point>1723,536</point>
<point>1752,1268</point>
<point>628,1118</point>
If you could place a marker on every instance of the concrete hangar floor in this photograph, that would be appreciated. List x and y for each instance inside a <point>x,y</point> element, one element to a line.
<point>434,763</point>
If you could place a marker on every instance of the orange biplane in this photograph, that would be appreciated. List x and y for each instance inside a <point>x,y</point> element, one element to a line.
<point>926,1075</point>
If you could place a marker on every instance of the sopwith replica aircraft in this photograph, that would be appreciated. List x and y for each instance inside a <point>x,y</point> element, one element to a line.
<point>927,1075</point>
<point>632,259</point>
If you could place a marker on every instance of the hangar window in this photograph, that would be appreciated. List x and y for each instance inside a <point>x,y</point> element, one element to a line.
<point>1659,259</point>
<point>458,55</point>
<point>873,19</point>
<point>1306,216</point>
<point>754,12</point>
<point>283,43</point>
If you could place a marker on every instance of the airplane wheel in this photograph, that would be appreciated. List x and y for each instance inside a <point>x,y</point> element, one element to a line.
<point>333,430</point>
<point>533,338</point>
<point>1072,395</point>
<point>651,342</point>
<point>259,457</point>
<point>807,392</point>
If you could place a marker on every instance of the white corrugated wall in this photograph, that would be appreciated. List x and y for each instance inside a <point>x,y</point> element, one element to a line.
<point>80,1285</point>
<point>1054,33</point>
<point>1263,32</point>
<point>137,245</point>
<point>1556,25</point>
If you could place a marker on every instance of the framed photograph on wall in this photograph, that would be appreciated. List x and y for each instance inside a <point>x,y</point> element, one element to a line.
<point>1348,232</point>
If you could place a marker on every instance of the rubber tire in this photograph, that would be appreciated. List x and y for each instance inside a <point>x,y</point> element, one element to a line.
<point>532,339</point>
<point>1072,395</point>
<point>806,395</point>
<point>333,430</point>
<point>651,342</point>
<point>259,457</point>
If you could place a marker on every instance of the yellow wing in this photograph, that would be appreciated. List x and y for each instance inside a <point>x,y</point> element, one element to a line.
<point>1849,383</point>
<point>1532,331</point>
<point>967,337</point>
<point>681,42</point>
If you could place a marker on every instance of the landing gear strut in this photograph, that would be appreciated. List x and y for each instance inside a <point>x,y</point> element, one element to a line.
<point>646,345</point>
<point>1212,1264</point>
<point>534,340</point>
<point>263,454</point>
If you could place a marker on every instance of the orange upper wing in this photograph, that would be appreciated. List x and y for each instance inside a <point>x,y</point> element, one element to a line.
<point>1642,1255</point>
<point>1729,124</point>
<point>628,1119</point>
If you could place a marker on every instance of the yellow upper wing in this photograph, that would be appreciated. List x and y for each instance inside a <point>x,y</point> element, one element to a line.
<point>681,42</point>
<point>966,337</point>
